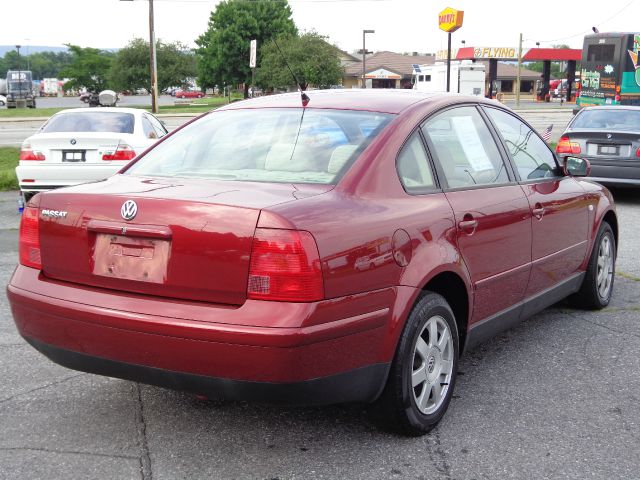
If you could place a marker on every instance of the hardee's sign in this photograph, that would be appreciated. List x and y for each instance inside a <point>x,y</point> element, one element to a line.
<point>450,20</point>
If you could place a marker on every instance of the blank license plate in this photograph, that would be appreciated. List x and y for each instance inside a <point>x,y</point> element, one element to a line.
<point>74,155</point>
<point>608,150</point>
<point>130,258</point>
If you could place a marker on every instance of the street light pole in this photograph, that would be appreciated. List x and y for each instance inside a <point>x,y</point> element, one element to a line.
<point>364,55</point>
<point>19,74</point>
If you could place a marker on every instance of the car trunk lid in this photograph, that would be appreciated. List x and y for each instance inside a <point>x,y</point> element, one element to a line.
<point>611,144</point>
<point>82,147</point>
<point>187,239</point>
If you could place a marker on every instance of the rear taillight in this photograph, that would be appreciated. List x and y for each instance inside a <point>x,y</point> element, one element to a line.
<point>122,152</point>
<point>638,152</point>
<point>285,266</point>
<point>565,145</point>
<point>617,97</point>
<point>26,153</point>
<point>30,238</point>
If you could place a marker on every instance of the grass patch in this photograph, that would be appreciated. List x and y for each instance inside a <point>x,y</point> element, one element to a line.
<point>9,157</point>
<point>627,276</point>
<point>197,105</point>
<point>28,112</point>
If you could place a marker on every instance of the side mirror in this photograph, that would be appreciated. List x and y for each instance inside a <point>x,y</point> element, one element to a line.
<point>576,167</point>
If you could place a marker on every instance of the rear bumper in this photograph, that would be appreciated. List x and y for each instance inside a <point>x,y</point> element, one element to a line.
<point>615,173</point>
<point>344,359</point>
<point>50,176</point>
<point>362,384</point>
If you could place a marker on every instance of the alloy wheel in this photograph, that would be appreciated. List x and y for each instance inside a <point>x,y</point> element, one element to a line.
<point>604,274</point>
<point>432,365</point>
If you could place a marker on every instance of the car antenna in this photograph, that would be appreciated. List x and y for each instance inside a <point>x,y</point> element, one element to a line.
<point>304,96</point>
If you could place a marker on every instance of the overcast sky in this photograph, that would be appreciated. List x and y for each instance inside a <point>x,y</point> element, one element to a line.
<point>400,25</point>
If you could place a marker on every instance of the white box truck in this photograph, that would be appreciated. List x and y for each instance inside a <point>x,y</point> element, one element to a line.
<point>467,77</point>
<point>50,87</point>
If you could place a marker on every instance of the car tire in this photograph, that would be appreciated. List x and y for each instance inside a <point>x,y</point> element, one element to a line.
<point>424,370</point>
<point>597,286</point>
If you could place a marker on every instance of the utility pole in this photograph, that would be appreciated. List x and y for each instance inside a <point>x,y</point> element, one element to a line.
<point>518,74</point>
<point>153,61</point>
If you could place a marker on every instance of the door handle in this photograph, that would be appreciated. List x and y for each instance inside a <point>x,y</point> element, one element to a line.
<point>538,211</point>
<point>468,224</point>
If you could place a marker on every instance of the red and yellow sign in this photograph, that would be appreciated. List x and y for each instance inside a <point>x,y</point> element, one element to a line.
<point>450,20</point>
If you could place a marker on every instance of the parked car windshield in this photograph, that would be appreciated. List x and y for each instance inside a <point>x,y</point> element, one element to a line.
<point>115,122</point>
<point>609,119</point>
<point>267,145</point>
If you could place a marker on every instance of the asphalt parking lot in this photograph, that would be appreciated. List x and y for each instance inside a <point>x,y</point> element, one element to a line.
<point>557,397</point>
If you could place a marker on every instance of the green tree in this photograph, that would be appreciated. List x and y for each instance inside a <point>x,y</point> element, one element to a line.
<point>176,64</point>
<point>311,58</point>
<point>88,69</point>
<point>48,64</point>
<point>223,53</point>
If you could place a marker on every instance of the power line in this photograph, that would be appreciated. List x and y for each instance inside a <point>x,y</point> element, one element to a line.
<point>582,33</point>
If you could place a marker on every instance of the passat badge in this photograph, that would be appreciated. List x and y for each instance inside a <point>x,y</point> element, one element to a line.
<point>129,210</point>
<point>54,213</point>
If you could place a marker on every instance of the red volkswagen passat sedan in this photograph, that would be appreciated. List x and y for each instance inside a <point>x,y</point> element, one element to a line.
<point>345,250</point>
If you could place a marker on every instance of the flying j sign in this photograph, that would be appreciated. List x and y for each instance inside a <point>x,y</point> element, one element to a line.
<point>450,20</point>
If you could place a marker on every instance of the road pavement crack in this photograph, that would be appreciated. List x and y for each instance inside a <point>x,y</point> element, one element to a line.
<point>436,453</point>
<point>145,458</point>
<point>581,318</point>
<point>41,387</point>
<point>66,452</point>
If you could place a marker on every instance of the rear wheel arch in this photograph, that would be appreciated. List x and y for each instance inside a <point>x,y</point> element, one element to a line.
<point>611,218</point>
<point>454,290</point>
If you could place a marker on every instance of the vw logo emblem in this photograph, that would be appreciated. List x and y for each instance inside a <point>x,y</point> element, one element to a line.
<point>73,141</point>
<point>609,135</point>
<point>129,210</point>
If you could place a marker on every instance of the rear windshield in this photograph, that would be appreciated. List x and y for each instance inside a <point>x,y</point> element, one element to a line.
<point>114,122</point>
<point>613,119</point>
<point>267,145</point>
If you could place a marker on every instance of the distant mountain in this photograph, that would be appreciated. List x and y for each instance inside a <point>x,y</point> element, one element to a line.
<point>29,49</point>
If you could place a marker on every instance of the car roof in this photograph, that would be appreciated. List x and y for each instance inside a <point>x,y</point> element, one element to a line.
<point>612,107</point>
<point>374,100</point>
<point>133,111</point>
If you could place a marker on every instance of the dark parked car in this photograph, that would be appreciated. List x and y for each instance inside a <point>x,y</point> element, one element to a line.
<point>609,137</point>
<point>227,260</point>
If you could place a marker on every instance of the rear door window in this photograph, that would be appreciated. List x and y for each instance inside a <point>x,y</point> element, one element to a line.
<point>147,128</point>
<point>413,167</point>
<point>465,148</point>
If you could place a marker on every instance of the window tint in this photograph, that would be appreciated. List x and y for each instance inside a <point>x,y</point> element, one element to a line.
<point>465,148</point>
<point>613,118</point>
<point>413,167</point>
<point>531,155</point>
<point>90,122</point>
<point>601,53</point>
<point>266,145</point>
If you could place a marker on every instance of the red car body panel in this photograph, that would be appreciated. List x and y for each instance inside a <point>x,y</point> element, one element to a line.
<point>559,234</point>
<point>379,248</point>
<point>499,273</point>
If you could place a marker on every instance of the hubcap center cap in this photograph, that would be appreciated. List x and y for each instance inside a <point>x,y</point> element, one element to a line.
<point>431,363</point>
